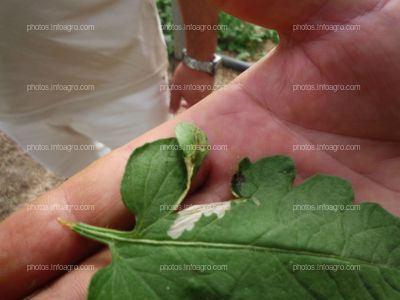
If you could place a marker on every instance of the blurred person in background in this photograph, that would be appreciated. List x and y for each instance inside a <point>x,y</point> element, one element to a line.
<point>80,78</point>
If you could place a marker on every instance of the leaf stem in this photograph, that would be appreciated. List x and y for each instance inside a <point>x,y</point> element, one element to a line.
<point>100,234</point>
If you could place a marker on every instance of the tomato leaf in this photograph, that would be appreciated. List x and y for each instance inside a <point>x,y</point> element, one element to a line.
<point>272,241</point>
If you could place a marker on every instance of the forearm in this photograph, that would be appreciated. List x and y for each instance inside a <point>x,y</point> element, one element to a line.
<point>200,44</point>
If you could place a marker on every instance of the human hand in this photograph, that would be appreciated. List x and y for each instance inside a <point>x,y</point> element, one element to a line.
<point>189,85</point>
<point>258,114</point>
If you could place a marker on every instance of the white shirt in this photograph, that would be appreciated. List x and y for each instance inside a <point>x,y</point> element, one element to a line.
<point>98,49</point>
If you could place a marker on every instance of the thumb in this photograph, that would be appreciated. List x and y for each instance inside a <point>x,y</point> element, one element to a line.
<point>283,14</point>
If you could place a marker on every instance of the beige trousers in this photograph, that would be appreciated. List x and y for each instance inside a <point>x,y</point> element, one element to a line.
<point>66,141</point>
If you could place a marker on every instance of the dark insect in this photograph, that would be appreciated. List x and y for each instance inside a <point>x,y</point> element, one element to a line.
<point>237,180</point>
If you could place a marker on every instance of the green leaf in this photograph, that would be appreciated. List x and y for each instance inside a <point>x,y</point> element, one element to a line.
<point>158,175</point>
<point>193,143</point>
<point>264,244</point>
<point>152,177</point>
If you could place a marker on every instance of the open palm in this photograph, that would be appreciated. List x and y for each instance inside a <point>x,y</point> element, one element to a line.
<point>265,112</point>
<point>258,114</point>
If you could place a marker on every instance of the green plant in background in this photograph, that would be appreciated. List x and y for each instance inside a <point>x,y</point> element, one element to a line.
<point>244,40</point>
<point>165,13</point>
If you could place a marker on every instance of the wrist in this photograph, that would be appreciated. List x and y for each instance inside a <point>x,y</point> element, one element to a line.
<point>201,54</point>
<point>195,73</point>
<point>206,66</point>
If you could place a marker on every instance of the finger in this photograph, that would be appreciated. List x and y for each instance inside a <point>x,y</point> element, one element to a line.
<point>175,101</point>
<point>184,104</point>
<point>74,284</point>
<point>283,14</point>
<point>32,239</point>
